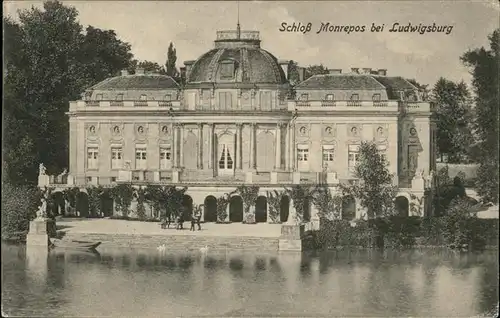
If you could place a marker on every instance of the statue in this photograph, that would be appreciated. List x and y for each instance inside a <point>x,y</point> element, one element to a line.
<point>42,170</point>
<point>42,210</point>
<point>421,173</point>
<point>292,216</point>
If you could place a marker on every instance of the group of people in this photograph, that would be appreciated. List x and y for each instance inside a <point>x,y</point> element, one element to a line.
<point>179,220</point>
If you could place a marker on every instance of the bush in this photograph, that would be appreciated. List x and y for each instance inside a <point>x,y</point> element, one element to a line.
<point>19,206</point>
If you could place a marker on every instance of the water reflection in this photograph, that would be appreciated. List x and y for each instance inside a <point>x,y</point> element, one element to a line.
<point>158,284</point>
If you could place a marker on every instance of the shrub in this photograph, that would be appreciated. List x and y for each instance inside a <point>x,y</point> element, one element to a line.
<point>249,196</point>
<point>122,194</point>
<point>19,206</point>
<point>274,204</point>
<point>141,198</point>
<point>222,203</point>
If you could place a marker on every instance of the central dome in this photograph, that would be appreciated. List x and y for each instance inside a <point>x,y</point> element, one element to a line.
<point>237,58</point>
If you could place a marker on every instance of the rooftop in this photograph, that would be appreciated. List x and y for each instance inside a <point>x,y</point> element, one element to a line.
<point>137,82</point>
<point>341,81</point>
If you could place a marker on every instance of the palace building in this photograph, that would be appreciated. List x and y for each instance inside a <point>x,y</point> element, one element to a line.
<point>234,122</point>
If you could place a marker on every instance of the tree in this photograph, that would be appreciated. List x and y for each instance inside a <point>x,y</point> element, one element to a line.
<point>293,73</point>
<point>49,61</point>
<point>315,70</point>
<point>453,116</point>
<point>374,187</point>
<point>484,66</point>
<point>147,66</point>
<point>171,60</point>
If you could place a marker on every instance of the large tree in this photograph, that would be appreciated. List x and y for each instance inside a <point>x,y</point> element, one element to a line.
<point>454,117</point>
<point>315,70</point>
<point>49,61</point>
<point>374,187</point>
<point>170,67</point>
<point>484,65</point>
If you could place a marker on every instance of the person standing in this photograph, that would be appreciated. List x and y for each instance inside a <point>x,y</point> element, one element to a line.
<point>197,217</point>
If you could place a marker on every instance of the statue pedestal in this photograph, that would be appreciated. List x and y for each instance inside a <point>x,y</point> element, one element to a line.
<point>291,237</point>
<point>37,235</point>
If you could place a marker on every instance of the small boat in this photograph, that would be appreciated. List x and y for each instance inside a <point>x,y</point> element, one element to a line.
<point>77,245</point>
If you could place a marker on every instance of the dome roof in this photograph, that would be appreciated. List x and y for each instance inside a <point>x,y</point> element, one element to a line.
<point>251,64</point>
<point>137,82</point>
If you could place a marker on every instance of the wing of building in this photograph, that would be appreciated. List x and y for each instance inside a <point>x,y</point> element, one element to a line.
<point>233,122</point>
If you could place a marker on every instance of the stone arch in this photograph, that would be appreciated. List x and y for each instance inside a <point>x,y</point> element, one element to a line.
<point>187,207</point>
<point>106,204</point>
<point>210,209</point>
<point>261,209</point>
<point>191,151</point>
<point>402,205</point>
<point>306,209</point>
<point>265,151</point>
<point>348,208</point>
<point>57,207</point>
<point>236,209</point>
<point>82,204</point>
<point>284,208</point>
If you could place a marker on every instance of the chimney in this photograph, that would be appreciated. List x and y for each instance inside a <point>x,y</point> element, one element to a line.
<point>124,72</point>
<point>188,65</point>
<point>367,70</point>
<point>335,71</point>
<point>284,66</point>
<point>382,72</point>
<point>139,71</point>
<point>302,73</point>
<point>355,70</point>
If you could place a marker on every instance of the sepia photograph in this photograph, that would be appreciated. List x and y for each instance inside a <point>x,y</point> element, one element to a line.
<point>250,158</point>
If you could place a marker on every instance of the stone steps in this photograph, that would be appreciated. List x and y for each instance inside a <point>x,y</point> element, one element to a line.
<point>179,242</point>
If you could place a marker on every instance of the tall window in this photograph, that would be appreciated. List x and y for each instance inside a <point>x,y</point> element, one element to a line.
<point>352,157</point>
<point>354,97</point>
<point>116,158</point>
<point>376,97</point>
<point>165,157</point>
<point>225,160</point>
<point>303,157</point>
<point>382,149</point>
<point>92,158</point>
<point>140,158</point>
<point>330,97</point>
<point>265,100</point>
<point>227,70</point>
<point>225,100</point>
<point>328,153</point>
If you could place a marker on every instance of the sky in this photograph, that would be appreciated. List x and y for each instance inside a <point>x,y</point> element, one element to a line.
<point>149,26</point>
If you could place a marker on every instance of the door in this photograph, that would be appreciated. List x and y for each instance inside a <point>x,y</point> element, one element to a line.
<point>225,153</point>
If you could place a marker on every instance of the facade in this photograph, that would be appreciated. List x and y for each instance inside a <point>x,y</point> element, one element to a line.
<point>233,123</point>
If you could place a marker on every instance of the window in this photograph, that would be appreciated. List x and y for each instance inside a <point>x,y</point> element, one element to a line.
<point>354,97</point>
<point>165,157</point>
<point>376,97</point>
<point>167,97</point>
<point>227,70</point>
<point>265,100</point>
<point>116,158</point>
<point>225,160</point>
<point>382,149</point>
<point>140,158</point>
<point>328,153</point>
<point>119,97</point>
<point>302,153</point>
<point>144,97</point>
<point>330,97</point>
<point>92,158</point>
<point>353,157</point>
<point>113,179</point>
<point>225,100</point>
<point>98,97</point>
<point>304,97</point>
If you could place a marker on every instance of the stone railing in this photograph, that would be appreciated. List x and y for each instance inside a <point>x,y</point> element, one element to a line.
<point>123,105</point>
<point>233,35</point>
<point>342,105</point>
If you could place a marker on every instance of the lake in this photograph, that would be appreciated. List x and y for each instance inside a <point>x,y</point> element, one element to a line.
<point>368,283</point>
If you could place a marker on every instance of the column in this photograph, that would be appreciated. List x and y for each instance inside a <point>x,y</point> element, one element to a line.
<point>211,147</point>
<point>252,146</point>
<point>277,165</point>
<point>293,146</point>
<point>238,146</point>
<point>181,146</point>
<point>174,146</point>
<point>200,146</point>
<point>287,148</point>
